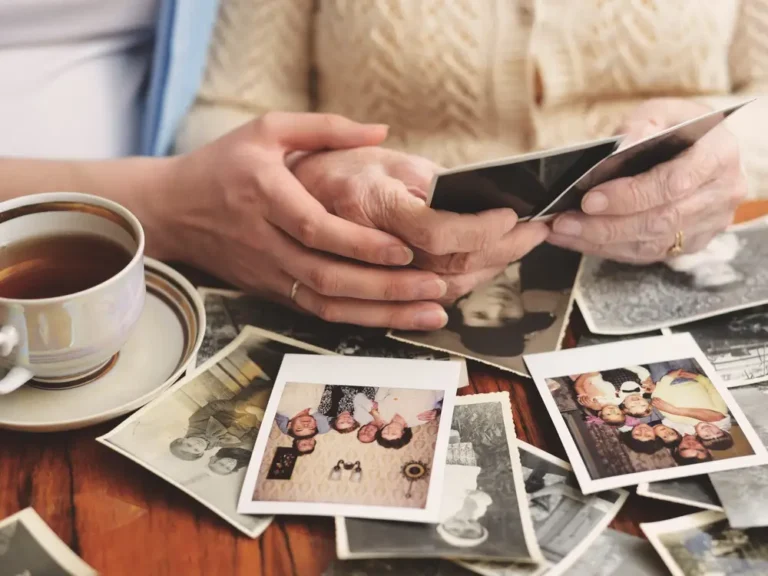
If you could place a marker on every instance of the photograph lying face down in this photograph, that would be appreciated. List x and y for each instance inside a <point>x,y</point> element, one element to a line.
<point>523,310</point>
<point>665,417</point>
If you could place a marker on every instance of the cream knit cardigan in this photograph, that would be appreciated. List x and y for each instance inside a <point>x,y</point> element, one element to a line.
<point>461,81</point>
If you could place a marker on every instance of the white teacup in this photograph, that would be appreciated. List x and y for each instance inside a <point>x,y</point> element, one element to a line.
<point>65,340</point>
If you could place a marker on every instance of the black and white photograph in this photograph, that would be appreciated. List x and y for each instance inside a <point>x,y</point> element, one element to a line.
<point>357,437</point>
<point>28,547</point>
<point>726,276</point>
<point>643,410</point>
<point>704,544</point>
<point>565,520</point>
<point>735,343</point>
<point>396,567</point>
<point>199,435</point>
<point>744,493</point>
<point>483,513</point>
<point>696,491</point>
<point>228,312</point>
<point>522,310</point>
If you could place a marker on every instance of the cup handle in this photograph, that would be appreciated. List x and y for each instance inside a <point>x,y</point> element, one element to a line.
<point>17,376</point>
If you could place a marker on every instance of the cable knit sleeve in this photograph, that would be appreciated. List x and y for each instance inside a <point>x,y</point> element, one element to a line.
<point>258,60</point>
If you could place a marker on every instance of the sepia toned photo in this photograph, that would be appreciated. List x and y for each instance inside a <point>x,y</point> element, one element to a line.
<point>522,310</point>
<point>643,410</point>
<point>696,491</point>
<point>565,520</point>
<point>358,437</point>
<point>704,544</point>
<point>228,312</point>
<point>29,547</point>
<point>744,493</point>
<point>728,275</point>
<point>199,435</point>
<point>736,344</point>
<point>483,511</point>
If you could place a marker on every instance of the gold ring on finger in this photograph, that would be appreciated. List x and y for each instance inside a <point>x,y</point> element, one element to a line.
<point>677,247</point>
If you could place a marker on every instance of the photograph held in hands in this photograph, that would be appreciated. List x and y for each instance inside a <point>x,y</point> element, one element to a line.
<point>643,411</point>
<point>357,437</point>
<point>483,511</point>
<point>199,435</point>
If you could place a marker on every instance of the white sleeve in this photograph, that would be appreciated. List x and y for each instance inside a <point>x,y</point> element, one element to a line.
<point>724,424</point>
<point>362,409</point>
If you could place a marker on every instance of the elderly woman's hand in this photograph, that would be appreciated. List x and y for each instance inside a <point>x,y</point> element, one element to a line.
<point>637,219</point>
<point>386,190</point>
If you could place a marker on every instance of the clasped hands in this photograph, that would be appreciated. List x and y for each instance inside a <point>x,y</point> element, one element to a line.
<point>313,198</point>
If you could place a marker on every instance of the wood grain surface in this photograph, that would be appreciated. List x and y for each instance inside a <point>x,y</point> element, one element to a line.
<point>121,519</point>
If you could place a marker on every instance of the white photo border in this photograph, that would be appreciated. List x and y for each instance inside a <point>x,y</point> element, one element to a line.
<point>351,371</point>
<point>628,353</point>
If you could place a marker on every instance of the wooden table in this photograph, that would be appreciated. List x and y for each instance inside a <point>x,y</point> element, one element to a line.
<point>121,519</point>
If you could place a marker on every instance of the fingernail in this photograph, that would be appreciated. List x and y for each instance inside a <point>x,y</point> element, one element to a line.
<point>397,255</point>
<point>594,203</point>
<point>430,289</point>
<point>430,320</point>
<point>567,226</point>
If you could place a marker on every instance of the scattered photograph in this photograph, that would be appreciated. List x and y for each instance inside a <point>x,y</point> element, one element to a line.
<point>523,310</point>
<point>736,344</point>
<point>643,410</point>
<point>727,276</point>
<point>696,491</point>
<point>704,544</point>
<point>229,312</point>
<point>356,437</point>
<point>744,493</point>
<point>29,547</point>
<point>566,521</point>
<point>395,567</point>
<point>586,338</point>
<point>481,513</point>
<point>199,435</point>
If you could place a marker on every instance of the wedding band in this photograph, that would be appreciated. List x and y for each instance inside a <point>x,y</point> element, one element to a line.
<point>677,247</point>
<point>294,289</point>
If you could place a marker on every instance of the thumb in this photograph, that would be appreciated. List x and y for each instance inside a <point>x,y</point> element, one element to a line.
<point>309,131</point>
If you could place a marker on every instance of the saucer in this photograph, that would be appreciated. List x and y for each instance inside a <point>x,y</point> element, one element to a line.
<point>163,345</point>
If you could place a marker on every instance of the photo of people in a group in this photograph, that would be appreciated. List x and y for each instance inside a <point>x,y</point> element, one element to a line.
<point>351,444</point>
<point>647,417</point>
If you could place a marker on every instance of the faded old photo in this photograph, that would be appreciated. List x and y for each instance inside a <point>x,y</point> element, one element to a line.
<point>565,520</point>
<point>703,544</point>
<point>736,344</point>
<point>29,547</point>
<point>523,310</point>
<point>728,275</point>
<point>744,493</point>
<point>696,491</point>
<point>483,511</point>
<point>228,312</point>
<point>199,435</point>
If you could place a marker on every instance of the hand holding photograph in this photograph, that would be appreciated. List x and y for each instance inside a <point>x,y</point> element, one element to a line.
<point>200,433</point>
<point>642,411</point>
<point>566,521</point>
<point>370,436</point>
<point>703,544</point>
<point>483,513</point>
<point>523,310</point>
<point>28,547</point>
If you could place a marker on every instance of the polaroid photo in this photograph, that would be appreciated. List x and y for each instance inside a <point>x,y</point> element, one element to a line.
<point>726,276</point>
<point>612,553</point>
<point>736,344</point>
<point>382,455</point>
<point>703,544</point>
<point>696,491</point>
<point>199,434</point>
<point>744,493</point>
<point>523,310</point>
<point>481,513</point>
<point>642,411</point>
<point>29,547</point>
<point>565,520</point>
<point>228,312</point>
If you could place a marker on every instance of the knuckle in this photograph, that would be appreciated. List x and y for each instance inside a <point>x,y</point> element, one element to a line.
<point>323,280</point>
<point>638,190</point>
<point>430,240</point>
<point>459,263</point>
<point>651,251</point>
<point>269,122</point>
<point>328,311</point>
<point>307,231</point>
<point>334,122</point>
<point>607,231</point>
<point>665,222</point>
